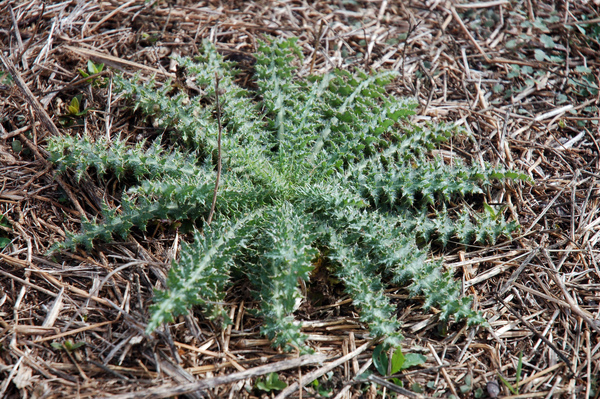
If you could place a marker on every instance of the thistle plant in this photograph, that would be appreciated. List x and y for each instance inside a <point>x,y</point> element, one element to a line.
<point>326,168</point>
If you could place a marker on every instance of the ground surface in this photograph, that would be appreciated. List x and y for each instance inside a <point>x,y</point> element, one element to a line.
<point>520,76</point>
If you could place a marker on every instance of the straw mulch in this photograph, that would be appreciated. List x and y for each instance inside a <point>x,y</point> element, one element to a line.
<point>540,291</point>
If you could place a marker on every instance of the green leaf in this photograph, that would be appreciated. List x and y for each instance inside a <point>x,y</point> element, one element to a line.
<point>320,389</point>
<point>561,98</point>
<point>94,68</point>
<point>468,380</point>
<point>397,361</point>
<point>380,359</point>
<point>70,346</point>
<point>57,345</point>
<point>275,382</point>
<point>364,376</point>
<point>519,370</point>
<point>4,242</point>
<point>413,359</point>
<point>508,385</point>
<point>17,146</point>
<point>6,78</point>
<point>260,384</point>
<point>547,41</point>
<point>515,70</point>
<point>397,381</point>
<point>73,107</point>
<point>416,387</point>
<point>541,25</point>
<point>489,210</point>
<point>270,383</point>
<point>582,69</point>
<point>540,55</point>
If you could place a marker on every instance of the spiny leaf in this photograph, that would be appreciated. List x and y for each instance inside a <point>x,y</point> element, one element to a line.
<point>328,167</point>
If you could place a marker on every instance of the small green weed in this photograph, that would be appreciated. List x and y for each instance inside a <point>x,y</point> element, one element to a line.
<point>6,79</point>
<point>514,389</point>
<point>4,241</point>
<point>270,383</point>
<point>68,345</point>
<point>73,107</point>
<point>327,167</point>
<point>92,71</point>
<point>74,114</point>
<point>321,389</point>
<point>467,387</point>
<point>398,362</point>
<point>16,145</point>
